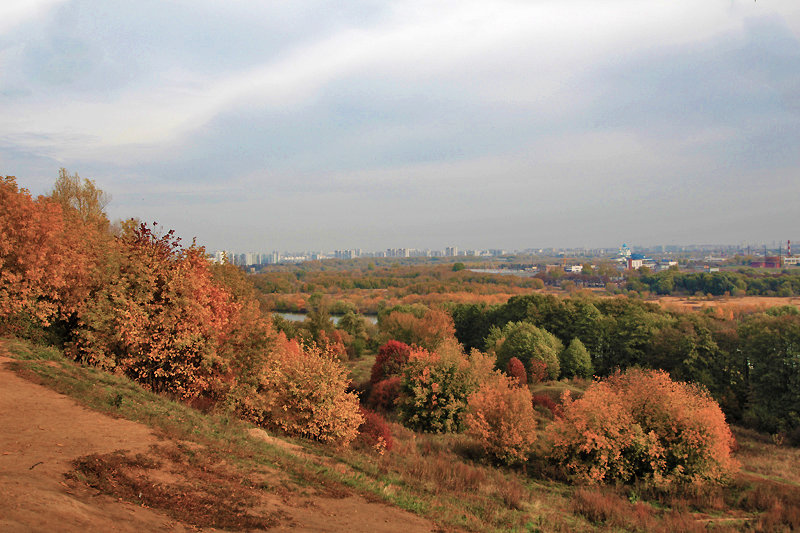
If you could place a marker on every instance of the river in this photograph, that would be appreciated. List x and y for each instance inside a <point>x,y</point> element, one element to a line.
<point>299,317</point>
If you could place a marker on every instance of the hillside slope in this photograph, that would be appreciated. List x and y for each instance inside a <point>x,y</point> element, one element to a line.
<point>43,433</point>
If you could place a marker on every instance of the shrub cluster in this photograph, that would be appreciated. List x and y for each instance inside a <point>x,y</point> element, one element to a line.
<point>135,301</point>
<point>158,317</point>
<point>642,425</point>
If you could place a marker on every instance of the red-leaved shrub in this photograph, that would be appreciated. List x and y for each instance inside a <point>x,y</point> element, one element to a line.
<point>384,393</point>
<point>538,371</point>
<point>390,360</point>
<point>374,432</point>
<point>516,370</point>
<point>547,402</point>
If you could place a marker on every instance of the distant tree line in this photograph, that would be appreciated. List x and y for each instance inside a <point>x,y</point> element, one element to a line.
<point>749,363</point>
<point>744,281</point>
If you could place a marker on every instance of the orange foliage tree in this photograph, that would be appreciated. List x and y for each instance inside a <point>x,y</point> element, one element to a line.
<point>427,331</point>
<point>501,417</point>
<point>159,318</point>
<point>248,337</point>
<point>44,264</point>
<point>642,425</point>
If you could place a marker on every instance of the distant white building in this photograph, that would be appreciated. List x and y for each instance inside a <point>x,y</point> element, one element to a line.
<point>220,256</point>
<point>636,261</point>
<point>665,264</point>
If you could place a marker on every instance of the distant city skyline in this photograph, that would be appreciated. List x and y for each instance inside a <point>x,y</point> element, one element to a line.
<point>253,257</point>
<point>314,125</point>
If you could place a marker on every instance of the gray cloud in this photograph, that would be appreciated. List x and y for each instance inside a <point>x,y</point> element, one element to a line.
<point>309,125</point>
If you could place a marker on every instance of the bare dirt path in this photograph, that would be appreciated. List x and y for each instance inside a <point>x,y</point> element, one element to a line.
<point>42,432</point>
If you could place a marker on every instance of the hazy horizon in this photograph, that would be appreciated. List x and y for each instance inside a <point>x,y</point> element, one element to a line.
<point>317,126</point>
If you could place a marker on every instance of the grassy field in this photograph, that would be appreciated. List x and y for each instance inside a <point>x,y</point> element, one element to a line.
<point>444,478</point>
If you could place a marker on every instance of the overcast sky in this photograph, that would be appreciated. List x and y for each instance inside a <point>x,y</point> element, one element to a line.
<point>373,124</point>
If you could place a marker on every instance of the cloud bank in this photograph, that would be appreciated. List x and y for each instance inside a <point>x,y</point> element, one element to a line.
<point>306,125</point>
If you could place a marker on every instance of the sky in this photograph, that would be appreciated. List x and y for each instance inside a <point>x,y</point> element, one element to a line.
<point>321,125</point>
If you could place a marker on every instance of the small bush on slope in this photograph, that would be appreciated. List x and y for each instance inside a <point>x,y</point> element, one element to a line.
<point>642,425</point>
<point>385,393</point>
<point>304,393</point>
<point>374,432</point>
<point>502,420</point>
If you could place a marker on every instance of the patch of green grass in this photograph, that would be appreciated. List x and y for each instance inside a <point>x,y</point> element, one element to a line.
<point>555,389</point>
<point>359,370</point>
<point>26,351</point>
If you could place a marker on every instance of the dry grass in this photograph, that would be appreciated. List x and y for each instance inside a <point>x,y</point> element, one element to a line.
<point>429,464</point>
<point>760,455</point>
<point>606,507</point>
<point>729,306</point>
<point>465,489</point>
